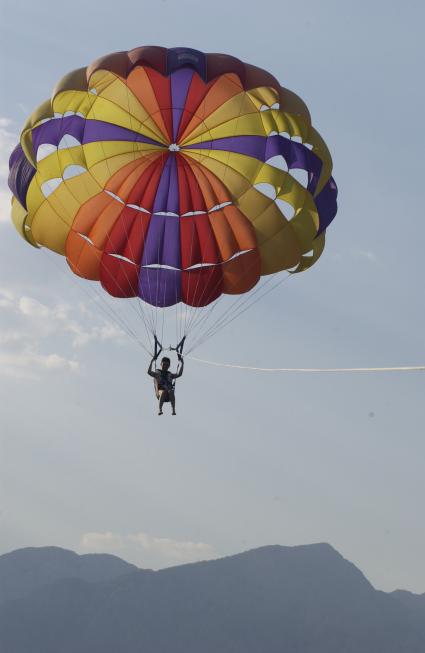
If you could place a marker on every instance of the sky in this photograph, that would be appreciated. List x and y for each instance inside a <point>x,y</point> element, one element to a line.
<point>252,458</point>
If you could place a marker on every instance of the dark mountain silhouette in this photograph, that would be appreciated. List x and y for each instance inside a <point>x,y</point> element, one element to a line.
<point>305,599</point>
<point>28,569</point>
<point>414,602</point>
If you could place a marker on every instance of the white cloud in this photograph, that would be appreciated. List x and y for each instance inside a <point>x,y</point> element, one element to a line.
<point>31,326</point>
<point>58,318</point>
<point>84,336</point>
<point>32,307</point>
<point>27,364</point>
<point>142,548</point>
<point>7,337</point>
<point>6,298</point>
<point>8,140</point>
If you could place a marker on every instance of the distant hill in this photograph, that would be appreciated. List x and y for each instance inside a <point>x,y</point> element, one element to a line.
<point>414,602</point>
<point>304,599</point>
<point>28,569</point>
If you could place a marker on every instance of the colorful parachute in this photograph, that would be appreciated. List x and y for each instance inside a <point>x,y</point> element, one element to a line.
<point>170,175</point>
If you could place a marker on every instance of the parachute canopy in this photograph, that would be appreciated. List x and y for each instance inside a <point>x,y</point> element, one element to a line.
<point>173,176</point>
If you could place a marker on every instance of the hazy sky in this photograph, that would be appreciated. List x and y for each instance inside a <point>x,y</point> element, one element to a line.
<point>251,458</point>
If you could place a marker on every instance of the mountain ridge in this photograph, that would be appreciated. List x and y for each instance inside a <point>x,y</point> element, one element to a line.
<point>306,598</point>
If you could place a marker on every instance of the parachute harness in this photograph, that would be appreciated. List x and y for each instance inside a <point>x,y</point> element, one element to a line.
<point>158,348</point>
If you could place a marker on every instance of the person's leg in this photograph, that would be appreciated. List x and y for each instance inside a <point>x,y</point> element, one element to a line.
<point>172,400</point>
<point>161,401</point>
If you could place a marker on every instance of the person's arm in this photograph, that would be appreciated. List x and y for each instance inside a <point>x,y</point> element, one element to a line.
<point>150,372</point>
<point>180,372</point>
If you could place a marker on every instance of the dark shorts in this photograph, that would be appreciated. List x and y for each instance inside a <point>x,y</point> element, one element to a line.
<point>162,391</point>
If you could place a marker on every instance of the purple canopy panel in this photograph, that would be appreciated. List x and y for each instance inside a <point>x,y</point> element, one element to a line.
<point>97,130</point>
<point>264,148</point>
<point>21,173</point>
<point>250,145</point>
<point>52,130</point>
<point>326,204</point>
<point>160,286</point>
<point>173,204</point>
<point>180,82</point>
<point>162,244</point>
<point>85,131</point>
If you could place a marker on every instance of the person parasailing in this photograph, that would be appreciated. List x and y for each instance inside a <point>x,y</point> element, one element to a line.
<point>165,380</point>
